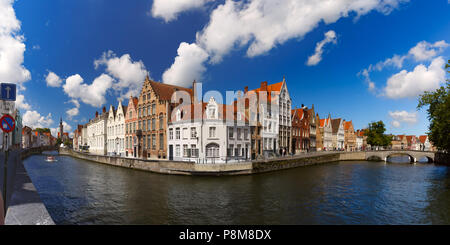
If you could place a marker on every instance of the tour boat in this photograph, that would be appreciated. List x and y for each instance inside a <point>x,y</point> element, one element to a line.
<point>50,159</point>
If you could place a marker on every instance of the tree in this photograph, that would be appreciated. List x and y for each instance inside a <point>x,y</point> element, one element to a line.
<point>68,143</point>
<point>58,141</point>
<point>375,134</point>
<point>438,111</point>
<point>43,130</point>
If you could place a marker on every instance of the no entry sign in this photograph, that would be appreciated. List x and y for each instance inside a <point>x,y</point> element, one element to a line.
<point>7,123</point>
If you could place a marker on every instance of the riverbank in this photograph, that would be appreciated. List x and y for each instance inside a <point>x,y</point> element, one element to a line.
<point>25,207</point>
<point>241,168</point>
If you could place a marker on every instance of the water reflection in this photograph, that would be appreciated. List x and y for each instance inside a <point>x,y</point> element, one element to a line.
<point>82,192</point>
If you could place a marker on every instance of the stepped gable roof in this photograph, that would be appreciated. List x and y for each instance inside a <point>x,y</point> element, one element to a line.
<point>322,122</point>
<point>409,138</point>
<point>335,123</point>
<point>347,125</point>
<point>360,133</point>
<point>299,111</point>
<point>165,91</point>
<point>276,87</point>
<point>423,138</point>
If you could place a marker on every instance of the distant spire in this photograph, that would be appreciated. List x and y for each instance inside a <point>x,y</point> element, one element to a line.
<point>284,78</point>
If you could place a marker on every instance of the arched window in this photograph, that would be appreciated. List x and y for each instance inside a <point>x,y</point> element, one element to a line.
<point>212,150</point>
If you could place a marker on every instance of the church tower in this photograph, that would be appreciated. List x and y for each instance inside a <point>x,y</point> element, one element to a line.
<point>60,128</point>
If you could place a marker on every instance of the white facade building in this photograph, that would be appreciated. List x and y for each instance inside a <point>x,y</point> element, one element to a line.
<point>359,142</point>
<point>96,134</point>
<point>338,133</point>
<point>285,122</point>
<point>208,133</point>
<point>116,131</point>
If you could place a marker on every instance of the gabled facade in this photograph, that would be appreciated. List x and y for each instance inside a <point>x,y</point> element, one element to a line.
<point>424,142</point>
<point>131,119</point>
<point>349,136</point>
<point>208,133</point>
<point>154,108</point>
<point>412,142</point>
<point>116,131</point>
<point>325,132</point>
<point>300,130</point>
<point>313,125</point>
<point>338,134</point>
<point>97,133</point>
<point>26,137</point>
<point>359,140</point>
<point>270,119</point>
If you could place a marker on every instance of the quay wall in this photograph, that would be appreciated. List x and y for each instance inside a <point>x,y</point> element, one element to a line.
<point>23,204</point>
<point>190,168</point>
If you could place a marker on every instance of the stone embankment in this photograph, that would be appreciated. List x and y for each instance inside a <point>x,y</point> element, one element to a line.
<point>189,168</point>
<point>24,206</point>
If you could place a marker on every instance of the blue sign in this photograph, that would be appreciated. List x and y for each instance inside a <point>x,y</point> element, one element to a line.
<point>7,123</point>
<point>8,91</point>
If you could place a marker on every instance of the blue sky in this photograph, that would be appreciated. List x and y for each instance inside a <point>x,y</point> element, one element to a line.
<point>67,37</point>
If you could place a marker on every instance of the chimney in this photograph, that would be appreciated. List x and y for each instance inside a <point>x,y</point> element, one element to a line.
<point>246,89</point>
<point>264,86</point>
<point>104,109</point>
<point>96,114</point>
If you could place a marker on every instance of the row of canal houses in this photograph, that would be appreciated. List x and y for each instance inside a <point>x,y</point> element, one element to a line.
<point>171,122</point>
<point>412,142</point>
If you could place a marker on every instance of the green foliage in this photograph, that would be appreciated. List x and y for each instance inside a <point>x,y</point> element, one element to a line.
<point>438,111</point>
<point>43,130</point>
<point>375,134</point>
<point>58,141</point>
<point>68,143</point>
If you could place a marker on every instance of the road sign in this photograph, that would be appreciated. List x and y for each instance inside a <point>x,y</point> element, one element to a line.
<point>8,91</point>
<point>7,123</point>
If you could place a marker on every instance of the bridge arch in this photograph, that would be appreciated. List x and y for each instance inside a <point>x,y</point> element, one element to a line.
<point>414,156</point>
<point>396,154</point>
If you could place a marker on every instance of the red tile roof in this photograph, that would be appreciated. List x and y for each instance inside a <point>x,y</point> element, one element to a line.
<point>423,138</point>
<point>165,91</point>
<point>347,125</point>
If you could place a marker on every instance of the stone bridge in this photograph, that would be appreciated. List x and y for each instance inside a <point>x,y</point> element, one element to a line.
<point>414,156</point>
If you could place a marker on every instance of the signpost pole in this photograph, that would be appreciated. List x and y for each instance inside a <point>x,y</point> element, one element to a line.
<point>7,125</point>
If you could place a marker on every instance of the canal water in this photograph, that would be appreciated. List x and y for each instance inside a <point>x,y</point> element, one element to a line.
<point>82,192</point>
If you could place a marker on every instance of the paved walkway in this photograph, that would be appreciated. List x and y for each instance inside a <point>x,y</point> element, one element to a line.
<point>26,207</point>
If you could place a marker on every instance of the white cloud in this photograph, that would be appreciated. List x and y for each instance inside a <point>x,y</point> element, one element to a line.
<point>169,10</point>
<point>263,24</point>
<point>188,65</point>
<point>21,104</point>
<point>422,78</point>
<point>34,120</point>
<point>426,51</point>
<point>66,127</point>
<point>400,117</point>
<point>12,46</point>
<point>396,124</point>
<point>130,74</point>
<point>74,111</point>
<point>93,94</point>
<point>330,37</point>
<point>423,51</point>
<point>260,25</point>
<point>53,80</point>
